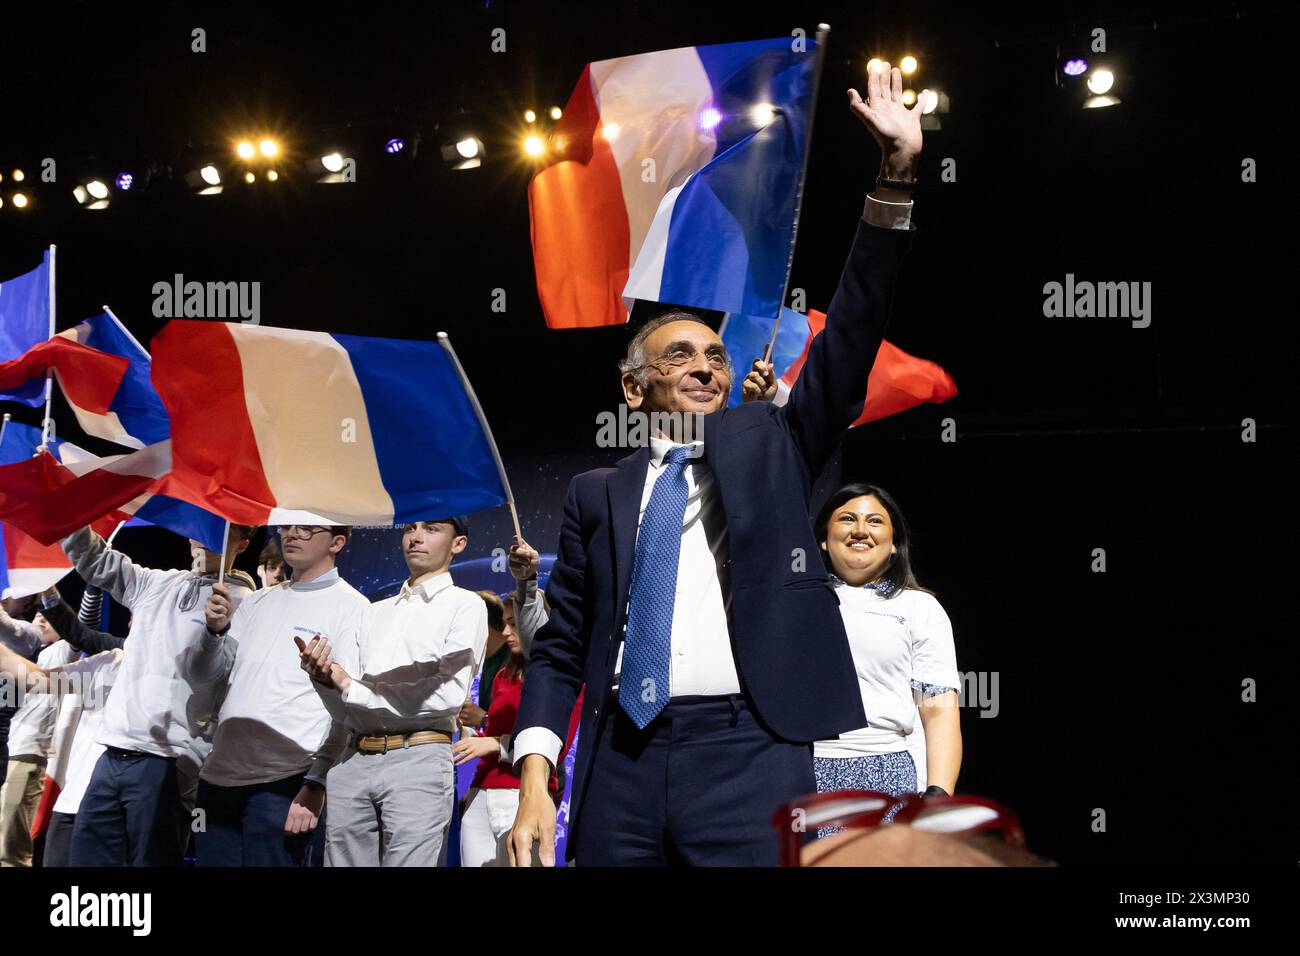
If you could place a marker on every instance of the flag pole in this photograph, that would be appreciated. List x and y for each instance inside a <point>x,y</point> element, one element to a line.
<point>487,430</point>
<point>120,526</point>
<point>4,425</point>
<point>225,543</point>
<point>48,423</point>
<point>126,331</point>
<point>823,32</point>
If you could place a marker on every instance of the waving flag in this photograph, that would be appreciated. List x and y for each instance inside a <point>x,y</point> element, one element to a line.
<point>25,321</point>
<point>271,426</point>
<point>88,377</point>
<point>26,565</point>
<point>898,381</point>
<point>135,416</point>
<point>673,178</point>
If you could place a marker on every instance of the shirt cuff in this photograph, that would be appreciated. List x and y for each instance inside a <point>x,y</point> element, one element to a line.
<point>536,740</point>
<point>358,694</point>
<point>50,601</point>
<point>888,215</point>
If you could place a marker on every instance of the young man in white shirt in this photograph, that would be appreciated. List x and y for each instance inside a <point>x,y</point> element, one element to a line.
<point>392,793</point>
<point>262,789</point>
<point>137,807</point>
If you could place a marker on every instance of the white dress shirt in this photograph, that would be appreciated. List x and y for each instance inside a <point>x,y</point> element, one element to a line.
<point>700,655</point>
<point>272,724</point>
<point>416,657</point>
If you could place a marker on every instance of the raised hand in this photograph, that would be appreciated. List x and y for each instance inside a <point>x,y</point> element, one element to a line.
<point>895,128</point>
<point>524,560</point>
<point>760,383</point>
<point>219,609</point>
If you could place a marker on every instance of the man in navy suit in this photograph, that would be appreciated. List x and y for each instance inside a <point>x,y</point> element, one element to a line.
<point>687,595</point>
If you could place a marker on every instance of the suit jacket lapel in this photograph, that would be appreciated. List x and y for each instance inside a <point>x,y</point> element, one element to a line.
<point>625,487</point>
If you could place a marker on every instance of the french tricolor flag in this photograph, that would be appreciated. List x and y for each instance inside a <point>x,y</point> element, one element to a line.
<point>276,426</point>
<point>673,177</point>
<point>898,381</point>
<point>26,565</point>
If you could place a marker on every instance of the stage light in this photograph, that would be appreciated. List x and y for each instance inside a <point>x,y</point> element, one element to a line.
<point>272,175</point>
<point>249,177</point>
<point>18,177</point>
<point>762,114</point>
<point>245,150</point>
<point>929,101</point>
<point>610,131</point>
<point>20,201</point>
<point>908,65</point>
<point>395,145</point>
<point>79,193</point>
<point>210,175</point>
<point>1099,102</point>
<point>875,65</point>
<point>1075,67</point>
<point>1100,81</point>
<point>268,148</point>
<point>468,147</point>
<point>98,204</point>
<point>530,116</point>
<point>709,118</point>
<point>97,189</point>
<point>534,146</point>
<point>124,181</point>
<point>556,112</point>
<point>2,202</point>
<point>909,97</point>
<point>333,162</point>
<point>464,153</point>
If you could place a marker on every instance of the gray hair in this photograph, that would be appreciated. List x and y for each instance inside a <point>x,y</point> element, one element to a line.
<point>634,361</point>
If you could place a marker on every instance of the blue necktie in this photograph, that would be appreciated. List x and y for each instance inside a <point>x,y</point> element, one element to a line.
<point>643,682</point>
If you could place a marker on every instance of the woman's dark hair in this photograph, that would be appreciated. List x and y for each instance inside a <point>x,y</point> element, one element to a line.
<point>514,667</point>
<point>898,571</point>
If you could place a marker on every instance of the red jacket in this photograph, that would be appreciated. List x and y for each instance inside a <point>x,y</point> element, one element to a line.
<point>495,774</point>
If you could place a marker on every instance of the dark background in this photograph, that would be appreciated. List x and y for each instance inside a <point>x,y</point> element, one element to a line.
<point>1119,691</point>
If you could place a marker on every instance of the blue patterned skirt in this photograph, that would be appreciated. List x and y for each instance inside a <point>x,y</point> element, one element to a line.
<point>894,774</point>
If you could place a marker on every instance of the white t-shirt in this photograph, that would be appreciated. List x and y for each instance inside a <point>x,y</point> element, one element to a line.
<point>897,642</point>
<point>76,747</point>
<point>272,724</point>
<point>32,726</point>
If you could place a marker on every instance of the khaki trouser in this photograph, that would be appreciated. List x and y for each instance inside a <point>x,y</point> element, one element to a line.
<point>18,799</point>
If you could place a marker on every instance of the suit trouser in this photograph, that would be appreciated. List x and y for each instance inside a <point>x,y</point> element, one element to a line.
<point>697,787</point>
<point>132,813</point>
<point>390,809</point>
<point>19,795</point>
<point>58,839</point>
<point>244,826</point>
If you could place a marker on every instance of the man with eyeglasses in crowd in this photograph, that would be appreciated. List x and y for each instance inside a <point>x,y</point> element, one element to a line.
<point>392,793</point>
<point>137,807</point>
<point>262,789</point>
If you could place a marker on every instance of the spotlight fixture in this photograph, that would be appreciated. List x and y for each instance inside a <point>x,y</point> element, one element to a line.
<point>762,114</point>
<point>534,146</point>
<point>1100,84</point>
<point>249,177</point>
<point>79,193</point>
<point>530,116</point>
<point>556,112</point>
<point>210,175</point>
<point>245,150</point>
<point>908,65</point>
<point>333,162</point>
<point>97,189</point>
<point>272,175</point>
<point>269,148</point>
<point>395,145</point>
<point>464,153</point>
<point>709,118</point>
<point>875,65</point>
<point>20,201</point>
<point>18,177</point>
<point>124,181</point>
<point>1075,67</point>
<point>909,96</point>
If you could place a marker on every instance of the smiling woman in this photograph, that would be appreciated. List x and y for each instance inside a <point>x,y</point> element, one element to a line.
<point>902,647</point>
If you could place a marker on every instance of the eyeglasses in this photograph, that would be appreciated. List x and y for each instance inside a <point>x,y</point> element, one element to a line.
<point>868,809</point>
<point>683,355</point>
<point>299,532</point>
